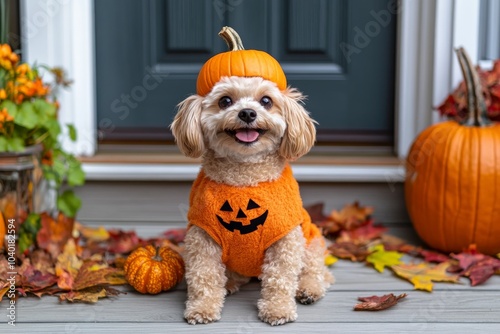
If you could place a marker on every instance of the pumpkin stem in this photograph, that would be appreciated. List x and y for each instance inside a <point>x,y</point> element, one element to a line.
<point>232,39</point>
<point>476,106</point>
<point>157,256</point>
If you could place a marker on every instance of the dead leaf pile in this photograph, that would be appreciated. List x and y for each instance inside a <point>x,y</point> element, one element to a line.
<point>357,238</point>
<point>75,262</point>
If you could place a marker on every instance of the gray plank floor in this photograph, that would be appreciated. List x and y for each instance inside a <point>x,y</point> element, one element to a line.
<point>451,308</point>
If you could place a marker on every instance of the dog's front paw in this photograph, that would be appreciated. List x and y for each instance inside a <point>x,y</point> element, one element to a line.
<point>309,297</point>
<point>201,315</point>
<point>277,312</point>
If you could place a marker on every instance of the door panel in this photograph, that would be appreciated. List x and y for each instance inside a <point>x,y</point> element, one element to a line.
<point>149,53</point>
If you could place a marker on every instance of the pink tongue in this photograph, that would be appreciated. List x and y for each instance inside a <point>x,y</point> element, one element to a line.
<point>247,135</point>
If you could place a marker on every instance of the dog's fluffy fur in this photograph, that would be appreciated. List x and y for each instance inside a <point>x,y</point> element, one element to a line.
<point>291,270</point>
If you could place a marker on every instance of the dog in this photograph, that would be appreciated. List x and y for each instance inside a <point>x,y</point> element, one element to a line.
<point>246,130</point>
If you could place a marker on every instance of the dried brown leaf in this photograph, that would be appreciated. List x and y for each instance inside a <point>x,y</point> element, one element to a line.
<point>378,303</point>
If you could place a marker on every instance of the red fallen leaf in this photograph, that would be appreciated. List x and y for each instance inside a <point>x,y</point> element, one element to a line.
<point>53,234</point>
<point>378,303</point>
<point>38,280</point>
<point>121,242</point>
<point>476,266</point>
<point>316,212</point>
<point>175,235</point>
<point>325,223</point>
<point>431,256</point>
<point>349,250</point>
<point>363,234</point>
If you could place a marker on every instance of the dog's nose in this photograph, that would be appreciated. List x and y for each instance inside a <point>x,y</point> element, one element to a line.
<point>247,115</point>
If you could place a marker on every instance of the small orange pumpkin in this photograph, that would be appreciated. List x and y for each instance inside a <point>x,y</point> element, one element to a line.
<point>238,62</point>
<point>2,230</point>
<point>152,270</point>
<point>452,184</point>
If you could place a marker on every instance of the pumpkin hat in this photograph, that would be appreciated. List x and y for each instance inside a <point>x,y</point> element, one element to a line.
<point>238,62</point>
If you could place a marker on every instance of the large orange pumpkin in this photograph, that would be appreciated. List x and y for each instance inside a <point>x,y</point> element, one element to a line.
<point>238,62</point>
<point>152,270</point>
<point>452,185</point>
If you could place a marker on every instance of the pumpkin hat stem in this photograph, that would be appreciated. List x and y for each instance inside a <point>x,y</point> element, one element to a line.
<point>232,39</point>
<point>475,102</point>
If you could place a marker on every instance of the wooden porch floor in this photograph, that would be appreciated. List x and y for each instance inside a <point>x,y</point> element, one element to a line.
<point>451,308</point>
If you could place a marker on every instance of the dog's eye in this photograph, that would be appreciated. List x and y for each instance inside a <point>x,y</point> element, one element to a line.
<point>225,102</point>
<point>266,102</point>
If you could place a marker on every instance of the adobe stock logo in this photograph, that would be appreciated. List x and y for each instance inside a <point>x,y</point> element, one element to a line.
<point>363,37</point>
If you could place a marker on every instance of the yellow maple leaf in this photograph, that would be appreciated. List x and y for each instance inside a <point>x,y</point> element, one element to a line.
<point>422,275</point>
<point>330,260</point>
<point>380,258</point>
<point>98,234</point>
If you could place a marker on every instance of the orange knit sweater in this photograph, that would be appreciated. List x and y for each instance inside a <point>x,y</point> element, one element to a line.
<point>245,221</point>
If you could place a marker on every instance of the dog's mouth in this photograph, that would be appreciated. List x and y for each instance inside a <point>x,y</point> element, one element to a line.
<point>245,135</point>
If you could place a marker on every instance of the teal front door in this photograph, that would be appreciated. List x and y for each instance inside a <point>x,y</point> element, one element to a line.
<point>340,53</point>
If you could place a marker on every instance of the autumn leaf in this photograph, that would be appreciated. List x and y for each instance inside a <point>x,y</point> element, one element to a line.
<point>378,303</point>
<point>330,260</point>
<point>423,274</point>
<point>67,266</point>
<point>4,288</point>
<point>327,225</point>
<point>98,234</point>
<point>350,251</point>
<point>89,295</point>
<point>121,242</point>
<point>175,235</point>
<point>93,273</point>
<point>476,266</point>
<point>352,215</point>
<point>380,258</point>
<point>362,234</point>
<point>41,260</point>
<point>431,256</point>
<point>54,234</point>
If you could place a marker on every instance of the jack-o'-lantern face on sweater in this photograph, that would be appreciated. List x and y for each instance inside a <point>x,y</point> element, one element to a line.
<point>245,219</point>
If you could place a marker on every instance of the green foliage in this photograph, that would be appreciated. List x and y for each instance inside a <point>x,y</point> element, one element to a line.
<point>28,230</point>
<point>69,203</point>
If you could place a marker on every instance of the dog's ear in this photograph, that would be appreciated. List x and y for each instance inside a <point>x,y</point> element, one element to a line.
<point>186,127</point>
<point>300,133</point>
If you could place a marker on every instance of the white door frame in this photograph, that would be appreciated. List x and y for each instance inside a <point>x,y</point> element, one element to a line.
<point>61,32</point>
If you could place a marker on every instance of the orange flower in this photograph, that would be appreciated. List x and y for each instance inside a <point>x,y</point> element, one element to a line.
<point>23,69</point>
<point>4,117</point>
<point>3,94</point>
<point>8,59</point>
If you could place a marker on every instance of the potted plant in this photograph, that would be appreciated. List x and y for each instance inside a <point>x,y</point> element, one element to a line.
<point>33,163</point>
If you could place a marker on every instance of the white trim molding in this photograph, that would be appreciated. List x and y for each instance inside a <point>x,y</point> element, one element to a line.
<point>61,33</point>
<point>188,172</point>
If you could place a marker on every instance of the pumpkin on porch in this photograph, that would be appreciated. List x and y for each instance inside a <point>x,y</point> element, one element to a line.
<point>238,62</point>
<point>2,230</point>
<point>152,270</point>
<point>452,183</point>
